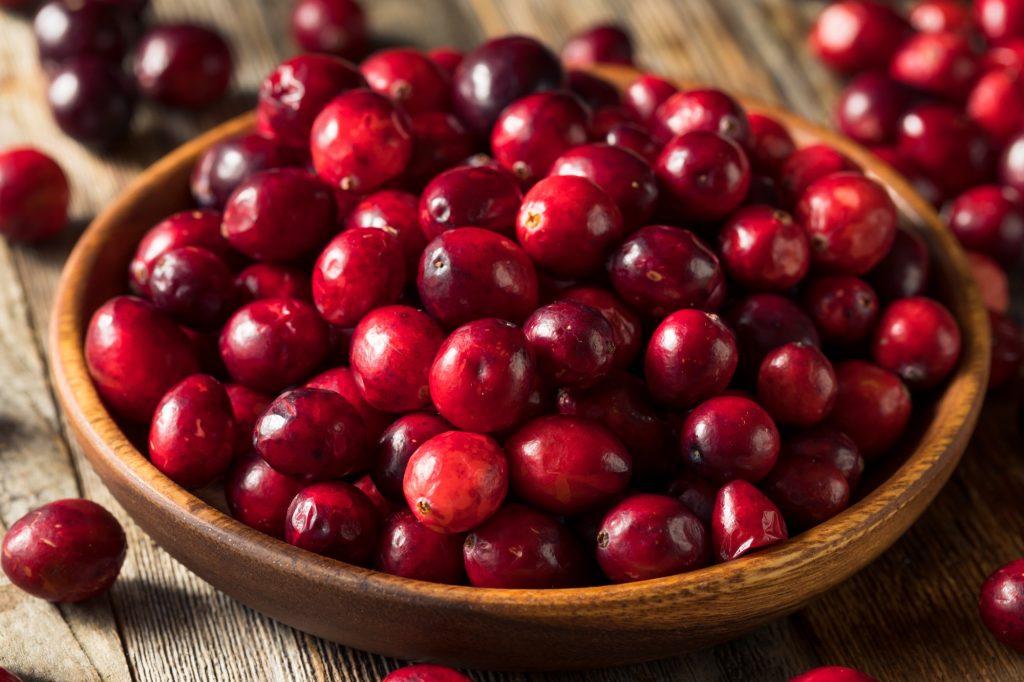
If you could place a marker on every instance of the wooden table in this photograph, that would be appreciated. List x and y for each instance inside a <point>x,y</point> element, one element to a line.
<point>911,616</point>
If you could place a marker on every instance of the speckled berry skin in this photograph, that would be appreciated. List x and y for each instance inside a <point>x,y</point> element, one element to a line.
<point>572,344</point>
<point>808,493</point>
<point>409,549</point>
<point>833,673</point>
<point>187,228</point>
<point>1001,603</point>
<point>359,270</point>
<point>65,551</point>
<point>807,165</point>
<point>729,437</point>
<point>703,175</point>
<point>247,405</point>
<point>904,270</point>
<point>334,519</point>
<point>744,520</point>
<point>872,406</point>
<point>828,446</point>
<point>708,110</point>
<point>764,249</point>
<point>456,481</point>
<point>533,131</point>
<point>484,197</point>
<point>34,195</point>
<point>626,324</point>
<point>796,385</point>
<point>408,78</point>
<point>396,445</point>
<point>342,380</point>
<point>426,672</point>
<point>259,495</point>
<point>691,357</point>
<point>397,212</point>
<point>843,308</point>
<point>918,339</point>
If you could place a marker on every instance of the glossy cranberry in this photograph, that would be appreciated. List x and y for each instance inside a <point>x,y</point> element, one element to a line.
<point>426,672</point>
<point>469,273</point>
<point>484,197</point>
<point>359,270</point>
<point>690,358</point>
<point>533,131</point>
<point>763,322</point>
<point>764,249</point>
<point>396,446</point>
<point>918,339</point>
<point>660,269</point>
<point>696,493</point>
<point>919,181</point>
<point>704,176</point>
<point>843,308</point>
<point>996,103</point>
<point>833,673</point>
<point>807,165</point>
<point>1000,19</point>
<point>857,35</point>
<point>267,280</point>
<point>499,72</point>
<point>225,165</point>
<point>335,519</point>
<point>194,286</point>
<point>258,495</point>
<point>644,95</point>
<point>870,108</point>
<point>729,437</point>
<point>382,507</point>
<point>708,110</point>
<point>600,95</point>
<point>744,520</point>
<point>272,343</point>
<point>825,445</point>
<point>483,375</point>
<point>605,43</point>
<point>943,142</point>
<point>872,407</point>
<point>572,343</point>
<point>187,228</point>
<point>399,212</point>
<point>34,195</point>
<point>440,141</point>
<point>1007,348</point>
<point>941,16</point>
<point>342,381</point>
<point>65,551</point>
<point>91,100</point>
<point>247,406</point>
<point>993,284</point>
<point>408,78</point>
<point>625,324</point>
<point>1001,603</point>
<point>807,492</point>
<point>943,64</point>
<point>183,65</point>
<point>796,384</point>
<point>446,58</point>
<point>904,270</point>
<point>770,143</point>
<point>332,26</point>
<point>409,549</point>
<point>66,29</point>
<point>989,219</point>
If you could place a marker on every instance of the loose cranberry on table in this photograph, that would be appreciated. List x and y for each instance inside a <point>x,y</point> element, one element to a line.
<point>989,219</point>
<point>872,406</point>
<point>1001,603</point>
<point>945,144</point>
<point>65,551</point>
<point>394,210</point>
<point>764,249</point>
<point>247,406</point>
<point>183,65</point>
<point>187,228</point>
<point>825,445</point>
<point>918,339</point>
<point>808,493</point>
<point>857,35</point>
<point>625,323</point>
<point>870,108</point>
<point>397,444</point>
<point>484,197</point>
<point>704,176</point>
<point>270,280</point>
<point>426,672</point>
<point>91,100</point>
<point>359,270</point>
<point>342,380</point>
<point>69,29</point>
<point>572,344</point>
<point>843,308</point>
<point>904,270</point>
<point>807,165</point>
<point>259,495</point>
<point>409,549</point>
<point>796,385</point>
<point>225,165</point>
<point>605,43</point>
<point>335,519</point>
<point>708,110</point>
<point>762,323</point>
<point>993,284</point>
<point>833,673</point>
<point>194,286</point>
<point>332,26</point>
<point>744,520</point>
<point>533,131</point>
<point>34,195</point>
<point>1007,350</point>
<point>691,357</point>
<point>729,437</point>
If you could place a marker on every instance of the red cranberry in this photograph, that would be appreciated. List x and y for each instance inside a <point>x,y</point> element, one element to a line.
<point>708,110</point>
<point>469,273</point>
<point>599,94</point>
<point>408,78</point>
<point>763,322</point>
<point>605,43</point>
<point>941,141</point>
<point>729,437</point>
<point>808,493</point>
<point>335,519</point>
<point>409,549</point>
<point>744,520</point>
<point>483,375</point>
<point>247,406</point>
<point>796,384</point>
<point>258,495</point>
<point>904,270</point>
<point>691,357</point>
<point>533,131</point>
<point>5,674</point>
<point>996,103</point>
<point>918,339</point>
<point>426,672</point>
<point>456,481</point>
<point>267,280</point>
<point>644,95</point>
<point>440,141</point>
<point>660,269</point>
<point>770,143</point>
<point>1006,54</point>
<point>396,446</point>
<point>764,249</point>
<point>34,195</point>
<point>398,211</point>
<point>941,16</point>
<point>870,108</point>
<point>833,673</point>
<point>843,308</point>
<point>194,286</point>
<point>359,270</point>
<point>943,64</point>
<point>188,228</point>
<point>69,29</point>
<point>625,324</point>
<point>91,100</point>
<point>484,197</point>
<point>225,165</point>
<point>920,182</point>
<point>1001,603</point>
<point>333,26</point>
<point>992,282</point>
<point>650,536</point>
<point>498,73</point>
<point>272,343</point>
<point>857,35</point>
<point>1007,348</point>
<point>1000,19</point>
<point>825,445</point>
<point>1011,163</point>
<point>572,343</point>
<point>447,58</point>
<point>183,65</point>
<point>342,381</point>
<point>989,219</point>
<point>65,551</point>
<point>704,175</point>
<point>382,507</point>
<point>807,165</point>
<point>872,406</point>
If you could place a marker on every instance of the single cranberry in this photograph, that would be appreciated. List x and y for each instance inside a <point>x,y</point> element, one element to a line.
<point>857,35</point>
<point>691,357</point>
<point>65,551</point>
<point>872,406</point>
<point>247,406</point>
<point>484,197</point>
<point>533,131</point>
<point>1000,19</point>
<point>335,519</point>
<point>808,493</point>
<point>483,375</point>
<point>918,339</point>
<point>833,673</point>
<point>904,270</point>
<point>996,103</point>
<point>259,496</point>
<point>1001,603</point>
<point>439,141</point>
<point>342,381</point>
<point>91,100</point>
<point>359,270</point>
<point>729,437</point>
<point>183,65</point>
<point>703,175</point>
<point>1007,348</point>
<point>409,549</point>
<point>660,269</point>
<point>796,385</point>
<point>601,96</point>
<point>807,165</point>
<point>636,139</point>
<point>34,195</point>
<point>225,165</point>
<point>66,29</point>
<point>499,72</point>
<point>382,507</point>
<point>941,16</point>
<point>408,78</point>
<point>426,672</point>
<point>1006,54</point>
<point>870,108</point>
<point>332,26</point>
<point>843,307</point>
<point>944,143</point>
<point>268,280</point>
<point>187,228</point>
<point>572,343</point>
<point>469,273</point>
<point>605,43</point>
<point>446,58</point>
<point>943,64</point>
<point>625,324</point>
<point>398,211</point>
<point>770,143</point>
<point>992,282</point>
<point>456,481</point>
<point>708,110</point>
<point>194,286</point>
<point>919,181</point>
<point>744,520</point>
<point>764,249</point>
<point>989,219</point>
<point>762,323</point>
<point>396,446</point>
<point>1011,163</point>
<point>825,445</point>
<point>696,493</point>
<point>273,342</point>
<point>644,95</point>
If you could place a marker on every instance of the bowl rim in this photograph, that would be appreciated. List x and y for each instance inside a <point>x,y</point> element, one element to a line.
<point>931,462</point>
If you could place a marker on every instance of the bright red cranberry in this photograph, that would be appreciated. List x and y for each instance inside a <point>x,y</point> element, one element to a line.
<point>342,381</point>
<point>941,16</point>
<point>796,385</point>
<point>499,72</point>
<point>744,520</point>
<point>763,322</point>
<point>469,273</point>
<point>704,175</point>
<point>996,103</point>
<point>870,108</point>
<point>992,282</point>
<point>382,507</point>
<point>446,58</point>
<point>1007,349</point>
<point>807,165</point>
<point>1000,19</point>
<point>456,481</point>
<point>268,280</point>
<point>194,286</point>
<point>989,219</point>
<point>188,228</point>
<point>65,551</point>
<point>708,110</point>
<point>335,519</point>
<point>764,249</point>
<point>408,78</point>
<point>605,43</point>
<point>332,26</point>
<point>904,270</point>
<point>808,493</point>
<point>843,307</point>
<point>1011,163</point>
<point>396,446</point>
<point>484,197</point>
<point>70,29</point>
<point>392,350</point>
<point>247,406</point>
<point>34,195</point>
<point>825,445</point>
<point>599,95</point>
<point>943,142</point>
<point>439,141</point>
<point>1001,603</point>
<point>91,100</point>
<point>696,493</point>
<point>396,210</point>
<point>644,95</point>
<point>572,344</point>
<point>426,672</point>
<point>626,330</point>
<point>533,131</point>
<point>359,270</point>
<point>918,339</point>
<point>258,495</point>
<point>943,64</point>
<point>660,269</point>
<point>872,406</point>
<point>729,437</point>
<point>272,343</point>
<point>183,65</point>
<point>691,357</point>
<point>225,165</point>
<point>770,143</point>
<point>857,35</point>
<point>410,549</point>
<point>483,375</point>
<point>833,673</point>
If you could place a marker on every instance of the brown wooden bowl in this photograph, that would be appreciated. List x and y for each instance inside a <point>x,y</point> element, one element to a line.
<point>490,628</point>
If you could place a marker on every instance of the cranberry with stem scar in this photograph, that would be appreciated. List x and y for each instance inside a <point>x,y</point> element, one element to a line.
<point>764,249</point>
<point>533,131</point>
<point>408,78</point>
<point>709,110</point>
<point>393,210</point>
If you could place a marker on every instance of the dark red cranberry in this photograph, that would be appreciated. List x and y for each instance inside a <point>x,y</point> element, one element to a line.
<point>807,165</point>
<point>844,308</point>
<point>857,35</point>
<point>1007,348</point>
<point>361,269</point>
<point>456,481</point>
<point>498,73</point>
<point>483,375</point>
<point>729,437</point>
<point>469,273</point>
<point>342,381</point>
<point>644,95</point>
<point>599,94</point>
<point>1001,603</point>
<point>744,520</point>
<point>119,352</point>
<point>993,284</point>
<point>764,249</point>
<point>409,549</point>
<point>485,197</point>
<point>825,445</point>
<point>34,195</point>
<point>396,446</point>
<point>408,78</point>
<point>183,65</point>
<point>187,228</point>
<point>258,495</point>
<point>335,519</point>
<point>572,343</point>
<point>708,110</point>
<point>943,64</point>
<point>833,673</point>
<point>426,672</point>
<point>703,175</point>
<point>194,286</point>
<point>941,16</point>
<point>605,43</point>
<point>796,385</point>
<point>762,323</point>
<point>904,270</point>
<point>943,142</point>
<point>267,280</point>
<point>770,143</point>
<point>626,330</point>
<point>225,165</point>
<point>91,100</point>
<point>636,139</point>
<point>696,493</point>
<point>440,141</point>
<point>66,29</point>
<point>533,131</point>
<point>918,339</point>
<point>872,406</point>
<point>996,103</point>
<point>274,342</point>
<point>1011,163</point>
<point>65,551</point>
<point>447,58</point>
<point>870,108</point>
<point>396,210</point>
<point>660,269</point>
<point>332,26</point>
<point>691,357</point>
<point>989,219</point>
<point>807,492</point>
<point>650,536</point>
<point>247,406</point>
<point>1000,19</point>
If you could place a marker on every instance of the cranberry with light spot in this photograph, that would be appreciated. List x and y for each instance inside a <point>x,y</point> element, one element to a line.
<point>335,519</point>
<point>484,197</point>
<point>729,437</point>
<point>704,176</point>
<point>918,339</point>
<point>361,269</point>
<point>409,549</point>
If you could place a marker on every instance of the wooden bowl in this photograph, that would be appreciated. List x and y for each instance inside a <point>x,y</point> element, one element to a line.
<point>490,628</point>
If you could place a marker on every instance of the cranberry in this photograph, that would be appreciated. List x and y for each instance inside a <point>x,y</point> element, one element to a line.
<point>625,324</point>
<point>729,437</point>
<point>483,375</point>
<point>456,481</point>
<point>904,270</point>
<point>258,495</point>
<point>272,343</point>
<point>225,165</point>
<point>796,384</point>
<point>69,29</point>
<point>918,339</point>
<point>426,672</point>
<point>396,446</point>
<point>605,43</point>
<point>533,131</point>
<point>764,249</point>
<point>5,674</point>
<point>989,219</point>
<point>660,269</point>
<point>247,406</point>
<point>359,270</point>
<point>691,357</point>
<point>187,228</point>
<point>447,58</point>
<point>395,210</point>
<point>941,64</point>
<point>825,445</point>
<point>644,95</point>
<point>65,551</point>
<point>941,16</point>
<point>992,282</point>
<point>807,492</point>
<point>440,141</point>
<point>708,110</point>
<point>382,507</point>
<point>807,165</point>
<point>34,195</point>
<point>498,73</point>
<point>267,280</point>
<point>1000,19</point>
<point>996,103</point>
<point>408,78</point>
<point>91,100</point>
<point>919,181</point>
<point>1011,163</point>
<point>744,520</point>
<point>856,35</point>
<point>696,493</point>
<point>872,406</point>
<point>1001,603</point>
<point>469,273</point>
<point>870,108</point>
<point>763,322</point>
<point>484,197</point>
<point>342,381</point>
<point>833,673</point>
<point>1007,54</point>
<point>599,94</point>
<point>940,140</point>
<point>770,143</point>
<point>335,519</point>
<point>409,549</point>
<point>333,26</point>
<point>183,65</point>
<point>843,308</point>
<point>572,343</point>
<point>1006,350</point>
<point>704,175</point>
<point>194,286</point>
